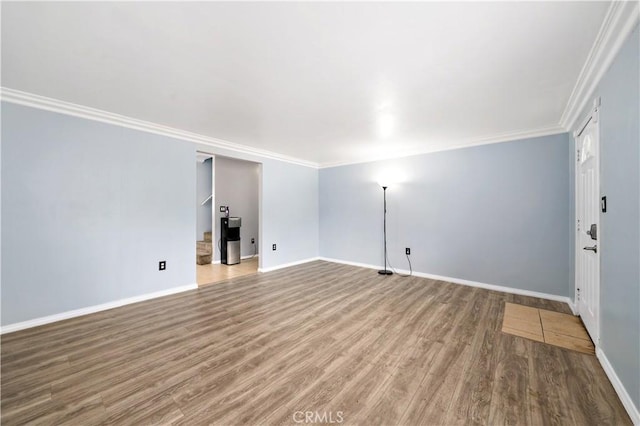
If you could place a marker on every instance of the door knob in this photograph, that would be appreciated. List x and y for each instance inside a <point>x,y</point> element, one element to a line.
<point>593,249</point>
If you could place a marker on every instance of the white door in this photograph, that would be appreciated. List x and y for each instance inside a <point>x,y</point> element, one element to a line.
<point>588,229</point>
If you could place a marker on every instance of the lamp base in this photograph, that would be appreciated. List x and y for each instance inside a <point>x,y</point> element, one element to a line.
<point>385,272</point>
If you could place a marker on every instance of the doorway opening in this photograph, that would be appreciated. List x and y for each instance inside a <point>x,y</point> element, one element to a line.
<point>205,225</point>
<point>228,218</point>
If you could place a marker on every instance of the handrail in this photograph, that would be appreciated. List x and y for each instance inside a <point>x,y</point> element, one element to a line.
<point>205,201</point>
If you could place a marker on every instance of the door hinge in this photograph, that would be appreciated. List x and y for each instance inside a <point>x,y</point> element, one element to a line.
<point>578,224</point>
<point>578,156</point>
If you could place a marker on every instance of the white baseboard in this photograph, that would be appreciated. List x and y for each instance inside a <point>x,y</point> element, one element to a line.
<point>93,309</point>
<point>624,396</point>
<point>493,287</point>
<point>287,265</point>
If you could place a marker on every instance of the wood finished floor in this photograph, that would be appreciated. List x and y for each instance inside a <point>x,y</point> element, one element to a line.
<point>216,272</point>
<point>317,337</point>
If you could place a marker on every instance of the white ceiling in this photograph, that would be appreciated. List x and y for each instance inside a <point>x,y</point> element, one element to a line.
<point>325,82</point>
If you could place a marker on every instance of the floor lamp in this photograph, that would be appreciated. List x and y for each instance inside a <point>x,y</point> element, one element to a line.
<point>385,271</point>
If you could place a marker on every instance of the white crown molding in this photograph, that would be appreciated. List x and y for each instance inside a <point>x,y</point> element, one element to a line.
<point>68,108</point>
<point>93,309</point>
<point>620,20</point>
<point>624,396</point>
<point>487,140</point>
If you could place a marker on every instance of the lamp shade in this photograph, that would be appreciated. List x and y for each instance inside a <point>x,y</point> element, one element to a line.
<point>390,176</point>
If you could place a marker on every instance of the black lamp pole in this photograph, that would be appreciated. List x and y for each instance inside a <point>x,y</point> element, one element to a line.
<point>385,271</point>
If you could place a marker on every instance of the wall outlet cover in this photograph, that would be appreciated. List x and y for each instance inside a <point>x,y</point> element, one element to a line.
<point>273,247</point>
<point>162,265</point>
<point>407,251</point>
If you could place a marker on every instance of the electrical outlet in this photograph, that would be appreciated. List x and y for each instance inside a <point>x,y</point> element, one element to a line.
<point>407,251</point>
<point>273,247</point>
<point>253,241</point>
<point>162,265</point>
<point>223,209</point>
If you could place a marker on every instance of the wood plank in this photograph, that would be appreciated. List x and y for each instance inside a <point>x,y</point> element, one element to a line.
<point>472,399</point>
<point>535,335</point>
<point>549,400</point>
<point>510,403</point>
<point>565,324</point>
<point>569,342</point>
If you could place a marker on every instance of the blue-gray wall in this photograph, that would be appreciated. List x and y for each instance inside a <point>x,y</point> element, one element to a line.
<point>203,191</point>
<point>619,92</point>
<point>497,214</point>
<point>290,206</point>
<point>88,210</point>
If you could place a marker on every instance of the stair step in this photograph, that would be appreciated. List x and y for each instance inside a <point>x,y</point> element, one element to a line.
<point>207,236</point>
<point>203,259</point>
<point>204,247</point>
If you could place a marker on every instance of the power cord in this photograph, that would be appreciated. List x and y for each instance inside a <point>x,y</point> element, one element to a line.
<point>396,272</point>
<point>255,251</point>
